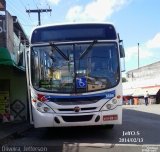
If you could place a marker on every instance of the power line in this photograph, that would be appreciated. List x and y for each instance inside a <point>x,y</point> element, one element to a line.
<point>14,10</point>
<point>47,3</point>
<point>35,4</point>
<point>22,4</point>
<point>31,25</point>
<point>17,11</point>
<point>39,11</point>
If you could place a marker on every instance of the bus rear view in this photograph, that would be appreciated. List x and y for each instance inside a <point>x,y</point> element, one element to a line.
<point>74,75</point>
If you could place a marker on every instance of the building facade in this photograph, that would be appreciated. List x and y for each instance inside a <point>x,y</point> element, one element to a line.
<point>142,80</point>
<point>13,88</point>
<point>148,72</point>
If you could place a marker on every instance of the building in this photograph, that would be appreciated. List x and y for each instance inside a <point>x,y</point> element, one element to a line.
<point>142,80</point>
<point>148,72</point>
<point>13,88</point>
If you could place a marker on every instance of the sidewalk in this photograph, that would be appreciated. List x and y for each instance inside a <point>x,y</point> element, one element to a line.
<point>12,128</point>
<point>151,108</point>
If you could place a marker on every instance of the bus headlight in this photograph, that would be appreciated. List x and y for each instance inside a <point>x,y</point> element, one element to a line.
<point>108,106</point>
<point>114,101</point>
<point>46,109</point>
<point>112,104</point>
<point>42,107</point>
<point>39,104</point>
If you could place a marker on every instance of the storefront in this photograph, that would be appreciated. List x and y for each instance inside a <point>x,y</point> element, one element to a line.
<point>136,95</point>
<point>13,90</point>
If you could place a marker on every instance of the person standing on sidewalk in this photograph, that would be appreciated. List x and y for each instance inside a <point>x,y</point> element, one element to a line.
<point>146,95</point>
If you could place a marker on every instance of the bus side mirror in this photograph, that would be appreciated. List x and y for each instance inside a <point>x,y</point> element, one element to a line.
<point>122,52</point>
<point>122,57</point>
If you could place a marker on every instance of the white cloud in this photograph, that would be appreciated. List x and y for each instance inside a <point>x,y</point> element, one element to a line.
<point>55,2</point>
<point>148,53</point>
<point>155,42</point>
<point>73,14</point>
<point>97,10</point>
<point>145,50</point>
<point>132,53</point>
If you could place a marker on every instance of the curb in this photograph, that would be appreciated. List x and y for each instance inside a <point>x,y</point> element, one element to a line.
<point>153,109</point>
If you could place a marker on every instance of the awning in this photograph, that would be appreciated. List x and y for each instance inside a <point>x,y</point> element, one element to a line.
<point>153,90</point>
<point>128,92</point>
<point>141,91</point>
<point>6,60</point>
<point>5,57</point>
<point>138,92</point>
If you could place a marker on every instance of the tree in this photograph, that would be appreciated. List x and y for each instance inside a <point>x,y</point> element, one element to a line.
<point>124,79</point>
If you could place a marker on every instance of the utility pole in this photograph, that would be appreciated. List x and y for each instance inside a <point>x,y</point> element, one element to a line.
<point>39,11</point>
<point>138,55</point>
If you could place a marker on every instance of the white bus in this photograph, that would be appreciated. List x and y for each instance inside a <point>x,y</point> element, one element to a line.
<point>74,75</point>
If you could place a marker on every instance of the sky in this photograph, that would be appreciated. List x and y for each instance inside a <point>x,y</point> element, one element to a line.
<point>137,21</point>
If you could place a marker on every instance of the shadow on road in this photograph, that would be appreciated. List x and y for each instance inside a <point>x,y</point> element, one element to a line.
<point>136,125</point>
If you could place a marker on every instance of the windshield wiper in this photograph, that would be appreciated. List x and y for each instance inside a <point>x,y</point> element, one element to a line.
<point>59,51</point>
<point>87,49</point>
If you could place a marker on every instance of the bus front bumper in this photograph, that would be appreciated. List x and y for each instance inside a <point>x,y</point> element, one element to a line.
<point>77,119</point>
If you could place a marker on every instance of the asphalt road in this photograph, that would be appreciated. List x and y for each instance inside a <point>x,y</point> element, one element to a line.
<point>139,132</point>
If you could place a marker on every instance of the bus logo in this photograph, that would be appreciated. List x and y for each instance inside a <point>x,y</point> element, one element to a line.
<point>76,109</point>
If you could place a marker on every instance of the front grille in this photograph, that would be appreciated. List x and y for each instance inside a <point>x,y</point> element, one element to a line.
<point>82,109</point>
<point>77,118</point>
<point>90,108</point>
<point>76,100</point>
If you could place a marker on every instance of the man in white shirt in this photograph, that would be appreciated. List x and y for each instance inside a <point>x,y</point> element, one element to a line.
<point>146,95</point>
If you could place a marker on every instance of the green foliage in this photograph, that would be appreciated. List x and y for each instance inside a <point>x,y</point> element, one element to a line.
<point>124,79</point>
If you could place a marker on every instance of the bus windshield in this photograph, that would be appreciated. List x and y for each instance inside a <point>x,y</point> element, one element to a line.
<point>75,68</point>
